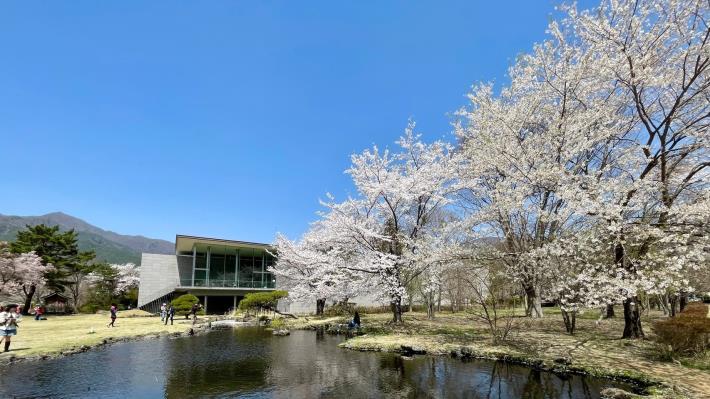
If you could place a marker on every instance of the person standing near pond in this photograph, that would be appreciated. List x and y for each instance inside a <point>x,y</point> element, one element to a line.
<point>170,314</point>
<point>163,312</point>
<point>9,319</point>
<point>195,308</point>
<point>113,311</point>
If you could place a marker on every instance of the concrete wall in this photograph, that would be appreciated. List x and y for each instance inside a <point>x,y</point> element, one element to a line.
<point>158,276</point>
<point>300,307</point>
<point>184,264</point>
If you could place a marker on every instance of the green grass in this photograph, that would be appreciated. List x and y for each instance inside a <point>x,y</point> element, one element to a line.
<point>64,333</point>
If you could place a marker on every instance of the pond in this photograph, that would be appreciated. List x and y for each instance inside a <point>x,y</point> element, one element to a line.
<point>251,363</point>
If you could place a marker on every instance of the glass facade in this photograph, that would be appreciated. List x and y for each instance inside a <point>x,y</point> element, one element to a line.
<point>230,267</point>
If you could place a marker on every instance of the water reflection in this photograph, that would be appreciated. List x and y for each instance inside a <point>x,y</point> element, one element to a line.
<point>249,362</point>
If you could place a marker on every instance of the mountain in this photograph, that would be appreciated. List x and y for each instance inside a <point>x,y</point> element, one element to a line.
<point>109,246</point>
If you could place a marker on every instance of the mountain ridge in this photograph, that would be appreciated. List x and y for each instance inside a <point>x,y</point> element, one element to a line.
<point>109,246</point>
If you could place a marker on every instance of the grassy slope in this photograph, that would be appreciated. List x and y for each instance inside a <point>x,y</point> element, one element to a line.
<point>65,333</point>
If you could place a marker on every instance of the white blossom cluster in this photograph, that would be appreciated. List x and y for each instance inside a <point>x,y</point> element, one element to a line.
<point>586,175</point>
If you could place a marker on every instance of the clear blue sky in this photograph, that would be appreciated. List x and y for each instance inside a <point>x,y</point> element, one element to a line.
<point>229,118</point>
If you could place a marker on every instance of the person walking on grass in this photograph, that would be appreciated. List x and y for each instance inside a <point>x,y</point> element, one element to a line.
<point>170,315</point>
<point>9,319</point>
<point>113,311</point>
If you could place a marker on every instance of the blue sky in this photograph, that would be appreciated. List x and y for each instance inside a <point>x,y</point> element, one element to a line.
<point>229,118</point>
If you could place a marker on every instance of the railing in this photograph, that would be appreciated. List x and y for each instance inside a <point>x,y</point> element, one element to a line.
<point>227,283</point>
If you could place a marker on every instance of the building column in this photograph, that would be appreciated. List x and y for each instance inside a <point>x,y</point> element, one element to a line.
<point>194,260</point>
<point>205,304</point>
<point>235,303</point>
<point>207,277</point>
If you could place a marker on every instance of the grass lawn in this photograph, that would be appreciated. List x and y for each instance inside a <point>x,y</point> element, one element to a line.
<point>64,333</point>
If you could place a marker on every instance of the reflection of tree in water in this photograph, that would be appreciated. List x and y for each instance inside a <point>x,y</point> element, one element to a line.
<point>217,364</point>
<point>533,386</point>
<point>313,365</point>
<point>305,364</point>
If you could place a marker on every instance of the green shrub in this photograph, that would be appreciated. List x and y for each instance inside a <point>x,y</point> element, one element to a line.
<point>340,309</point>
<point>183,304</point>
<point>258,301</point>
<point>706,297</point>
<point>90,308</point>
<point>374,309</point>
<point>278,324</point>
<point>688,333</point>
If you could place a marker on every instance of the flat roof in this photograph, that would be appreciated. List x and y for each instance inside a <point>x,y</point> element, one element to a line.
<point>184,243</point>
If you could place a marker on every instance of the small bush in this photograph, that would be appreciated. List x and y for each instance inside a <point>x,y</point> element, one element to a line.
<point>278,324</point>
<point>183,304</point>
<point>261,300</point>
<point>90,308</point>
<point>706,297</point>
<point>688,333</point>
<point>373,309</point>
<point>340,309</point>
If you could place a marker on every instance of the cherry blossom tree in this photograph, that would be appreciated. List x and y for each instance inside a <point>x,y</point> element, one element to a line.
<point>656,54</point>
<point>607,120</point>
<point>21,274</point>
<point>128,276</point>
<point>114,279</point>
<point>586,175</point>
<point>384,230</point>
<point>529,151</point>
<point>312,269</point>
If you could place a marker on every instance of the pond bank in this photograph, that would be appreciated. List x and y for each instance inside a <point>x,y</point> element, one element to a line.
<point>594,350</point>
<point>60,336</point>
<point>252,362</point>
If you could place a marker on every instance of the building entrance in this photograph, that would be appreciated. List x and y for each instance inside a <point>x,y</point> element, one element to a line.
<point>219,304</point>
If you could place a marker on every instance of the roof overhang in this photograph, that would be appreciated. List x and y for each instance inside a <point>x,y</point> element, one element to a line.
<point>185,243</point>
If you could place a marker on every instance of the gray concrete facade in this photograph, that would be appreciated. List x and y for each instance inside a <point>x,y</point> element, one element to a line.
<point>158,276</point>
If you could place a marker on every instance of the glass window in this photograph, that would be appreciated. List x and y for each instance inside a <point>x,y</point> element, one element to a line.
<point>216,270</point>
<point>259,263</point>
<point>200,260</point>
<point>200,278</point>
<point>230,269</point>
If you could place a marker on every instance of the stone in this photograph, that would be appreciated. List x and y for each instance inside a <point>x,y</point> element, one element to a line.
<point>412,350</point>
<point>617,393</point>
<point>563,360</point>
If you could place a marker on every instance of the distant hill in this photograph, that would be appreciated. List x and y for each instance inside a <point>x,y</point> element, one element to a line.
<point>109,246</point>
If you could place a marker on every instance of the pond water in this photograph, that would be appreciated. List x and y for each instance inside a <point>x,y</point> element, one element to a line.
<point>251,363</point>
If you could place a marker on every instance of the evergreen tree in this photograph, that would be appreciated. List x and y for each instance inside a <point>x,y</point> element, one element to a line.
<point>54,247</point>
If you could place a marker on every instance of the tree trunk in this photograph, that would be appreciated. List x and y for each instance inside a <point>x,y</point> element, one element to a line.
<point>673,303</point>
<point>534,306</point>
<point>632,319</point>
<point>609,311</point>
<point>683,300</point>
<point>320,306</point>
<point>396,306</point>
<point>570,319</point>
<point>28,299</point>
<point>632,312</point>
<point>663,303</point>
<point>430,307</point>
<point>438,303</point>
